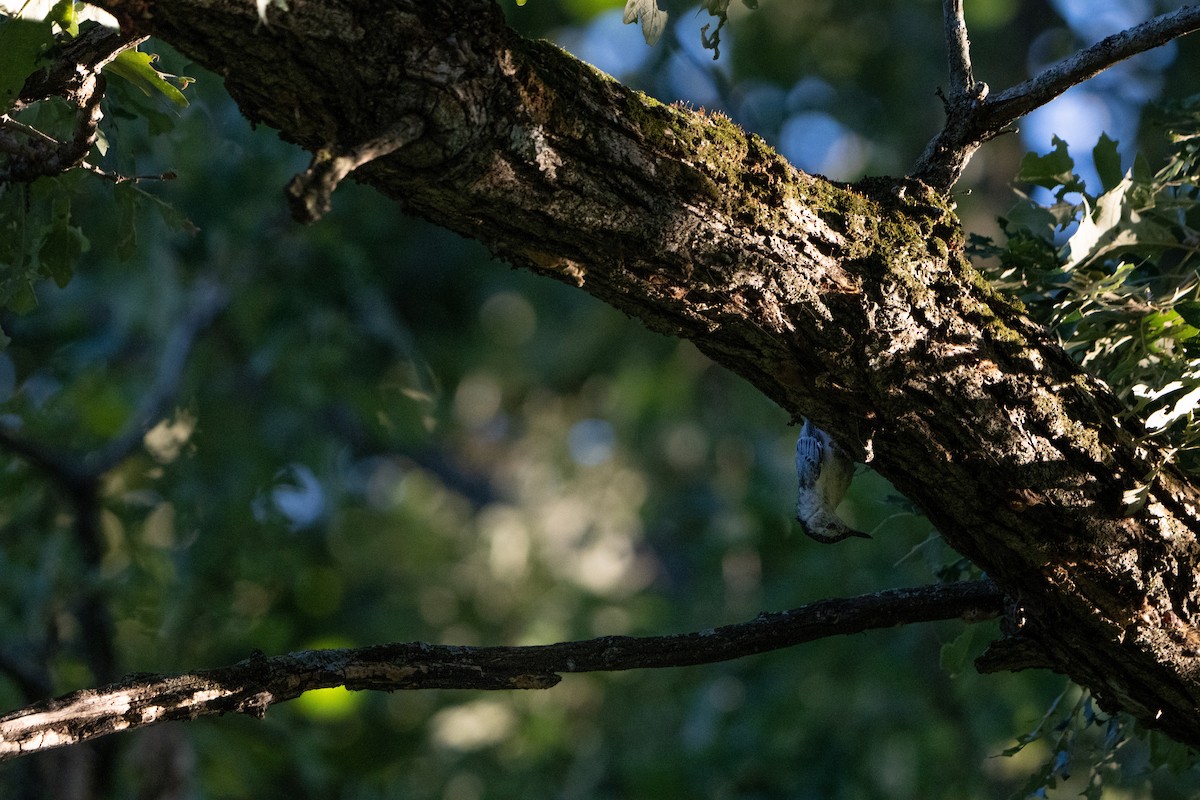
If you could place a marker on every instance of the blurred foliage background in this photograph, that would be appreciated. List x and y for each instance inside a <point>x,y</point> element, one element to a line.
<point>385,435</point>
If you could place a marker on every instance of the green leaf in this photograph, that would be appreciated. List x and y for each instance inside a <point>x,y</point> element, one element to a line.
<point>1108,162</point>
<point>60,251</point>
<point>21,41</point>
<point>1190,311</point>
<point>24,299</point>
<point>175,219</point>
<point>138,68</point>
<point>127,198</point>
<point>1029,218</point>
<point>954,654</point>
<point>63,15</point>
<point>1051,170</point>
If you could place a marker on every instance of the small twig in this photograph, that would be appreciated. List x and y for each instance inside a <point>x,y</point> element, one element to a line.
<point>116,177</point>
<point>309,193</point>
<point>253,685</point>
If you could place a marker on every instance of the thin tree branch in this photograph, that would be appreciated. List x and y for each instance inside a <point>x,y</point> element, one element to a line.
<point>253,685</point>
<point>1014,103</point>
<point>969,124</point>
<point>958,46</point>
<point>85,55</point>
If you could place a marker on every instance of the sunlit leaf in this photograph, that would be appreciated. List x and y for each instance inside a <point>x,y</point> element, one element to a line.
<point>653,18</point>
<point>1183,407</point>
<point>138,68</point>
<point>1134,499</point>
<point>1099,229</point>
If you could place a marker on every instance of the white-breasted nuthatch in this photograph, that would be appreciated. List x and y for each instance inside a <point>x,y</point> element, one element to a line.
<point>824,471</point>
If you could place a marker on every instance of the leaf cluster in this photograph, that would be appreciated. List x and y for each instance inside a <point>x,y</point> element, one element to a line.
<point>54,137</point>
<point>1113,273</point>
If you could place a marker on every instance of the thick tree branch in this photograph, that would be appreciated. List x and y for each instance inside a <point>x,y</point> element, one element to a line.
<point>971,121</point>
<point>253,685</point>
<point>853,306</point>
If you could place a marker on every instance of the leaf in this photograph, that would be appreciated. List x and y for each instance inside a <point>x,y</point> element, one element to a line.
<point>1027,217</point>
<point>137,68</point>
<point>61,248</point>
<point>1133,499</point>
<point>1190,311</point>
<point>954,654</point>
<point>21,41</point>
<point>1099,230</point>
<point>1183,407</point>
<point>1107,161</point>
<point>24,299</point>
<point>654,19</point>
<point>175,219</point>
<point>64,16</point>
<point>127,205</point>
<point>1051,170</point>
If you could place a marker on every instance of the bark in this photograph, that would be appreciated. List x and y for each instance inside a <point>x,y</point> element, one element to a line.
<point>253,685</point>
<point>849,304</point>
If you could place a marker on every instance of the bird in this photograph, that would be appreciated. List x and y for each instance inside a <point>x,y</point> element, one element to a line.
<point>823,471</point>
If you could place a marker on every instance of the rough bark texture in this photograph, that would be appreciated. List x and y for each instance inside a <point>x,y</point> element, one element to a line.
<point>852,305</point>
<point>253,685</point>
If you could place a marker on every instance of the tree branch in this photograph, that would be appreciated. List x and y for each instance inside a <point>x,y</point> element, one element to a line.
<point>970,123</point>
<point>853,306</point>
<point>253,685</point>
<point>75,75</point>
<point>958,46</point>
<point>1014,103</point>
